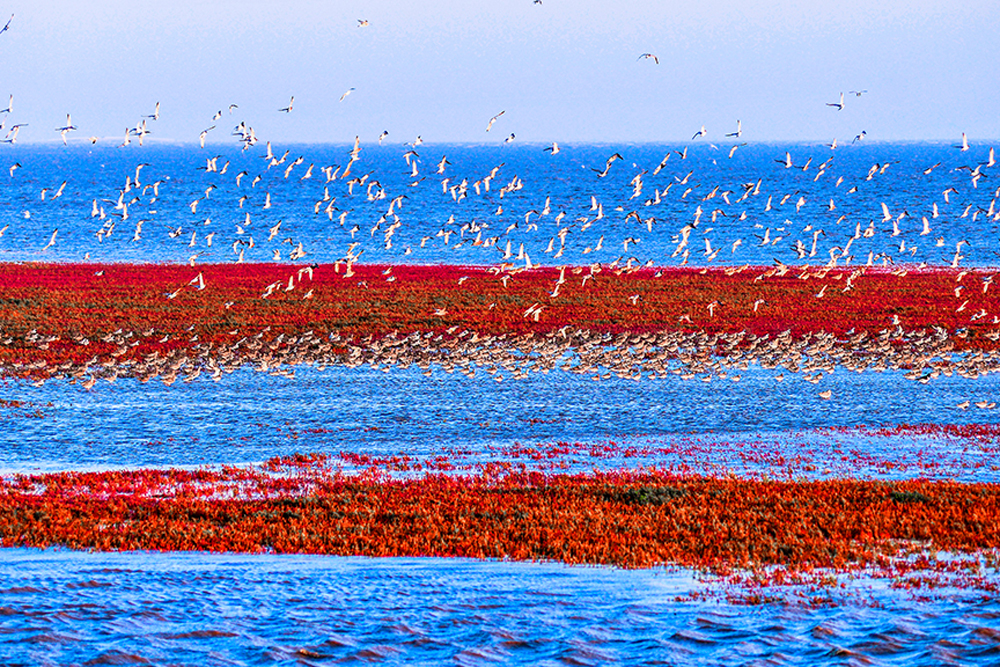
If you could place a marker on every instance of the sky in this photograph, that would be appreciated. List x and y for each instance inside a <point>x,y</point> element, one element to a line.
<point>562,70</point>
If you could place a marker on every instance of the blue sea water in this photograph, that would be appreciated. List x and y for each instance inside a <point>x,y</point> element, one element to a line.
<point>64,607</point>
<point>189,203</point>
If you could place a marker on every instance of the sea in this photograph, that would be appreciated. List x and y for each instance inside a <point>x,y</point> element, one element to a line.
<point>894,205</point>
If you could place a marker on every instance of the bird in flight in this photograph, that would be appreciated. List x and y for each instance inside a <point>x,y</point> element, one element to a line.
<point>362,23</point>
<point>860,136</point>
<point>509,139</point>
<point>839,105</point>
<point>156,112</point>
<point>739,130</point>
<point>700,133</point>
<point>965,143</point>
<point>607,166</point>
<point>857,93</point>
<point>649,55</point>
<point>554,148</point>
<point>346,94</point>
<point>204,133</point>
<point>66,128</point>
<point>7,25</point>
<point>493,120</point>
<point>288,109</point>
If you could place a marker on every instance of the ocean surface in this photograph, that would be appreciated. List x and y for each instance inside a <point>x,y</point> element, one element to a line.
<point>64,607</point>
<point>188,204</point>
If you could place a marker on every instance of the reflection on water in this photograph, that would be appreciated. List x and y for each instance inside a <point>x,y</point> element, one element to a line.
<point>59,607</point>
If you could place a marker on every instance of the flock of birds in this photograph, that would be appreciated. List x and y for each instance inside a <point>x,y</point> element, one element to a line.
<point>494,211</point>
<point>263,199</point>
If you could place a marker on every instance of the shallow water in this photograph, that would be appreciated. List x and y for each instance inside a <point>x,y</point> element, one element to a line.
<point>756,426</point>
<point>59,607</point>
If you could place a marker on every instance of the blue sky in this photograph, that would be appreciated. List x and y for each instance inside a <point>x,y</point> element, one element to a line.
<point>565,71</point>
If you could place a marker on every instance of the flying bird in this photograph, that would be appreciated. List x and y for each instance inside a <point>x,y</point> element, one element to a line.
<point>739,130</point>
<point>204,133</point>
<point>345,94</point>
<point>493,120</point>
<point>7,25</point>
<point>362,23</point>
<point>839,105</point>
<point>647,56</point>
<point>288,109</point>
<point>699,133</point>
<point>66,128</point>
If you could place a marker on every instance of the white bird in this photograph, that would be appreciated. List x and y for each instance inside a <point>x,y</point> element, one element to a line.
<point>493,120</point>
<point>739,130</point>
<point>838,105</point>
<point>348,92</point>
<point>288,109</point>
<point>52,241</point>
<point>965,143</point>
<point>554,148</point>
<point>699,133</point>
<point>204,133</point>
<point>647,56</point>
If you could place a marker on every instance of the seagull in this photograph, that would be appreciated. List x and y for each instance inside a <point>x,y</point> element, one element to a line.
<point>607,166</point>
<point>739,130</point>
<point>289,107</point>
<point>857,93</point>
<point>554,148</point>
<point>345,94</point>
<point>10,105</point>
<point>965,143</point>
<point>156,112</point>
<point>381,137</point>
<point>7,25</point>
<point>509,139</point>
<point>860,136</point>
<point>204,133</point>
<point>52,241</point>
<point>66,128</point>
<point>12,133</point>
<point>840,105</point>
<point>649,55</point>
<point>699,133</point>
<point>362,23</point>
<point>492,120</point>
